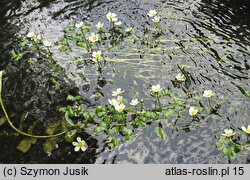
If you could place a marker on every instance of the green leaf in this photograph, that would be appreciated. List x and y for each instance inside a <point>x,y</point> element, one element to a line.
<point>160,132</point>
<point>112,142</point>
<point>100,128</point>
<point>118,117</point>
<point>126,131</point>
<point>99,94</point>
<point>69,111</point>
<point>23,43</point>
<point>15,56</point>
<point>81,44</point>
<point>107,120</point>
<point>177,101</point>
<point>139,123</point>
<point>70,98</point>
<point>100,111</point>
<point>128,137</point>
<point>229,153</point>
<point>201,109</point>
<point>100,114</point>
<point>166,92</point>
<point>56,84</point>
<point>77,98</point>
<point>113,130</point>
<point>169,113</point>
<point>25,144</point>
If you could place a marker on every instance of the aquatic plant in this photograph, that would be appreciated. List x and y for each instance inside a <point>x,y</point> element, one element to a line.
<point>117,120</point>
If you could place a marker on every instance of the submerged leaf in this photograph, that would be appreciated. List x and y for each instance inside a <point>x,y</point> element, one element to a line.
<point>25,144</point>
<point>53,127</point>
<point>2,120</point>
<point>160,132</point>
<point>49,145</point>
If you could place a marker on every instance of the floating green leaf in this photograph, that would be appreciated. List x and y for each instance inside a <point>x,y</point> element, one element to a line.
<point>113,130</point>
<point>112,142</point>
<point>170,112</point>
<point>126,131</point>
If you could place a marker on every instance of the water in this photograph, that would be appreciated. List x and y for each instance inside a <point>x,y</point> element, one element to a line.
<point>209,38</point>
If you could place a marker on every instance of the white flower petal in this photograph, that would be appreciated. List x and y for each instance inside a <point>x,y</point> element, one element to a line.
<point>243,128</point>
<point>83,148</point>
<point>77,148</point>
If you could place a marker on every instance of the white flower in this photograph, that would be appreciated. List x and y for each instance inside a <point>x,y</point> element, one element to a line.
<point>152,13</point>
<point>208,93</point>
<point>79,25</point>
<point>129,30</point>
<point>180,77</point>
<point>118,23</point>
<point>93,37</point>
<point>97,55</point>
<point>156,19</point>
<point>156,88</point>
<point>119,99</point>
<point>120,107</point>
<point>80,144</point>
<point>114,20</point>
<point>118,92</point>
<point>134,102</point>
<point>193,111</point>
<point>246,130</point>
<point>47,43</point>
<point>99,25</point>
<point>110,16</point>
<point>30,35</point>
<point>228,132</point>
<point>33,36</point>
<point>113,102</point>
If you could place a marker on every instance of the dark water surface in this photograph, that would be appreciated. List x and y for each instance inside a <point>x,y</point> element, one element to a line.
<point>219,60</point>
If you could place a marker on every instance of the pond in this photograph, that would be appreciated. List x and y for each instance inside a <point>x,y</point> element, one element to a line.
<point>207,41</point>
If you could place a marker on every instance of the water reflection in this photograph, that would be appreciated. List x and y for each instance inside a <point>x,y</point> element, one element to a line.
<point>210,39</point>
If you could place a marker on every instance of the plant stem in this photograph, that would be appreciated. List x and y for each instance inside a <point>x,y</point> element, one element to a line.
<point>209,104</point>
<point>85,40</point>
<point>155,104</point>
<point>13,127</point>
<point>158,99</point>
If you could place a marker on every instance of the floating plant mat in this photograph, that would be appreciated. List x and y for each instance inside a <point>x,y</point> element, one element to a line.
<point>142,93</point>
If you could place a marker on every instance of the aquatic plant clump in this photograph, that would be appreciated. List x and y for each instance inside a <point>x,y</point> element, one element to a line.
<point>121,118</point>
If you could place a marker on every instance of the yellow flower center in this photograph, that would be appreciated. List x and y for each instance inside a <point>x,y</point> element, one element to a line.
<point>180,78</point>
<point>80,144</point>
<point>209,95</point>
<point>247,131</point>
<point>94,38</point>
<point>228,134</point>
<point>193,113</point>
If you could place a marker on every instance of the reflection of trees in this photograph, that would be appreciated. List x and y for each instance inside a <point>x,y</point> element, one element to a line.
<point>232,15</point>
